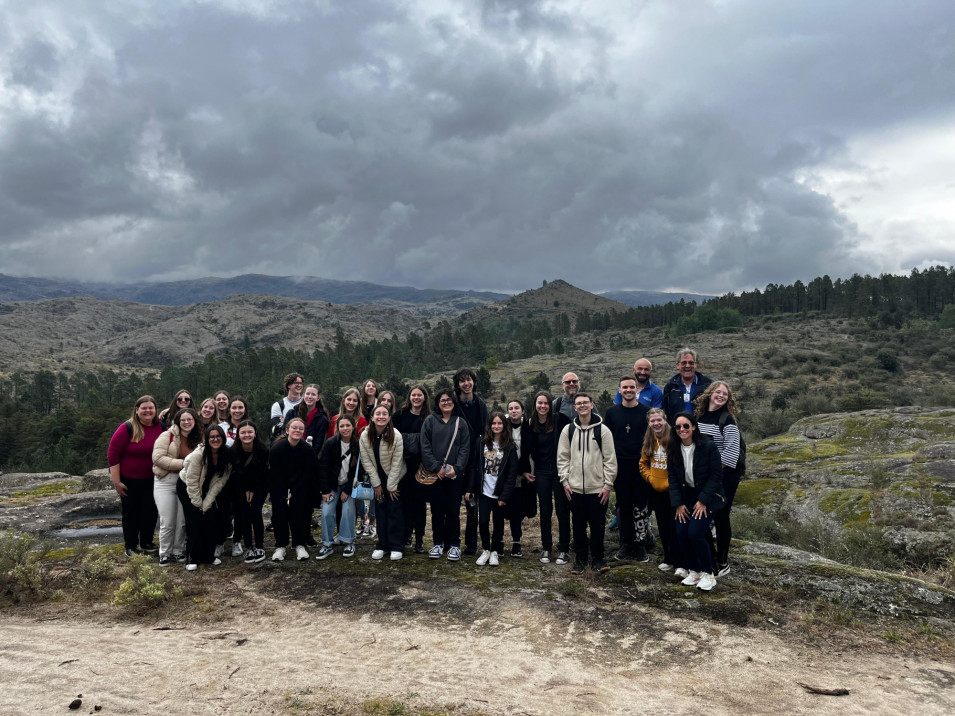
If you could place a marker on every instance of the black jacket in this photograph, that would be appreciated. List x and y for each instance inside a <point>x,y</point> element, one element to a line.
<point>295,467</point>
<point>250,472</point>
<point>506,479</point>
<point>329,467</point>
<point>707,475</point>
<point>316,431</point>
<point>673,394</point>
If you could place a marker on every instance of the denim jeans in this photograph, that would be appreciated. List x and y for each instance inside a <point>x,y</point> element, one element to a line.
<point>346,526</point>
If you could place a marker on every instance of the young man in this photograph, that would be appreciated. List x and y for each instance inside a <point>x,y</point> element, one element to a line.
<point>628,423</point>
<point>681,390</point>
<point>587,467</point>
<point>294,384</point>
<point>474,411</point>
<point>648,392</point>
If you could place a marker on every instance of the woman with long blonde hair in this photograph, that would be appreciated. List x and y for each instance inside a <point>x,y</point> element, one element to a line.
<point>653,469</point>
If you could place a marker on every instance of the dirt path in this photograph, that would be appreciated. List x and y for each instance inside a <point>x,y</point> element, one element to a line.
<point>517,659</point>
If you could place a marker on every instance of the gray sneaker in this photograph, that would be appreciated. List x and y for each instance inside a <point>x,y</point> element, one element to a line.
<point>563,558</point>
<point>324,552</point>
<point>545,556</point>
<point>349,551</point>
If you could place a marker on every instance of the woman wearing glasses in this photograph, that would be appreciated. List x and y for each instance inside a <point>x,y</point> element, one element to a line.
<point>696,493</point>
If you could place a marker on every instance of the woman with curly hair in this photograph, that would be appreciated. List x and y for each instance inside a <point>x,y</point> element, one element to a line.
<point>716,410</point>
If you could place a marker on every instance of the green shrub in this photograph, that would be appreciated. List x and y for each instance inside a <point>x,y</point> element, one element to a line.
<point>146,585</point>
<point>22,575</point>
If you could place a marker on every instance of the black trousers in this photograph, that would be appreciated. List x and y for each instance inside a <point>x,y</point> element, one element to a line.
<point>586,511</point>
<point>551,496</point>
<point>446,512</point>
<point>253,531</point>
<point>413,505</point>
<point>631,491</point>
<point>391,523</point>
<point>202,528</point>
<point>278,494</point>
<point>139,512</point>
<point>724,528</point>
<point>488,508</point>
<point>659,502</point>
<point>471,525</point>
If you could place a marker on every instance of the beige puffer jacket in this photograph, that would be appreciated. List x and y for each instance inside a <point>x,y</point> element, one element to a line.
<point>392,460</point>
<point>194,474</point>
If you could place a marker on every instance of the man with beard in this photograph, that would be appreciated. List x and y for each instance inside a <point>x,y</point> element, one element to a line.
<point>648,392</point>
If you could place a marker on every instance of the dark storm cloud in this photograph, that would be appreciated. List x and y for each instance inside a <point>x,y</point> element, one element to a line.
<point>486,144</point>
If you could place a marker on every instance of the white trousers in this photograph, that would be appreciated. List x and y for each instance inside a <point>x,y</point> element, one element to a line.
<point>172,523</point>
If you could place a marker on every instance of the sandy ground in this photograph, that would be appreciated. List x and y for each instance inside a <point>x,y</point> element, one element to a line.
<point>274,656</point>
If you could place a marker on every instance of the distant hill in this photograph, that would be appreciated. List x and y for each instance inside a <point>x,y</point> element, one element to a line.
<point>652,298</point>
<point>66,333</point>
<point>543,303</point>
<point>426,302</point>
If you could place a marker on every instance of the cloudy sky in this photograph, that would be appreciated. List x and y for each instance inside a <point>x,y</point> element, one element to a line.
<point>666,144</point>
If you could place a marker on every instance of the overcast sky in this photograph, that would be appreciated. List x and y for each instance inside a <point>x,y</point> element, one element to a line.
<point>670,144</point>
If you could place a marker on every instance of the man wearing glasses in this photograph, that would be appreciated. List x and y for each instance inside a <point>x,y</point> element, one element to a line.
<point>587,468</point>
<point>682,389</point>
<point>564,412</point>
<point>294,385</point>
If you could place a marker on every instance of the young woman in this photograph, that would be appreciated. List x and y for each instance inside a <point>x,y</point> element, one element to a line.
<point>250,475</point>
<point>181,401</point>
<point>716,410</point>
<point>387,398</point>
<point>369,398</point>
<point>204,475</point>
<point>169,454</point>
<point>695,477</point>
<point>207,414</point>
<point>338,467</point>
<point>382,452</point>
<point>524,501</point>
<point>653,469</point>
<point>312,411</point>
<point>445,444</point>
<point>542,449</point>
<point>351,406</point>
<point>238,411</point>
<point>130,460</point>
<point>222,400</point>
<point>414,495</point>
<point>494,483</point>
<point>293,473</point>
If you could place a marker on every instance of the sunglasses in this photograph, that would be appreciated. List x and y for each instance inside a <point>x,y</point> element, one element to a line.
<point>683,426</point>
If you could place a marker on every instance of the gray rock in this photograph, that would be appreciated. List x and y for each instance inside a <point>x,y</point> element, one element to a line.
<point>96,480</point>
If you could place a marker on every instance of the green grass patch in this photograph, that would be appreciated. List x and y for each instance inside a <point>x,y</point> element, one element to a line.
<point>63,487</point>
<point>757,493</point>
<point>850,505</point>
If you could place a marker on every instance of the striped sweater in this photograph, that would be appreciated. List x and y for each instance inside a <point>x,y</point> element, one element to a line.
<point>727,440</point>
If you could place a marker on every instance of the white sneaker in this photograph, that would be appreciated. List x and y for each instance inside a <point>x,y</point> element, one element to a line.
<point>692,579</point>
<point>237,550</point>
<point>378,554</point>
<point>396,555</point>
<point>279,554</point>
<point>301,553</point>
<point>220,548</point>
<point>664,567</point>
<point>192,567</point>
<point>707,582</point>
<point>216,562</point>
<point>482,560</point>
<point>680,572</point>
<point>494,560</point>
<point>723,572</point>
<point>545,556</point>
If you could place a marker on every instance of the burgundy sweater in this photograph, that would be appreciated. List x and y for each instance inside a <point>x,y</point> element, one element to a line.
<point>135,459</point>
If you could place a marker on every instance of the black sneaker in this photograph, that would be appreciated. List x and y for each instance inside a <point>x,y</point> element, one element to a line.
<point>469,551</point>
<point>130,551</point>
<point>600,567</point>
<point>579,568</point>
<point>269,527</point>
<point>640,554</point>
<point>626,551</point>
<point>165,561</point>
<point>150,548</point>
<point>516,550</point>
<point>310,542</point>
<point>419,548</point>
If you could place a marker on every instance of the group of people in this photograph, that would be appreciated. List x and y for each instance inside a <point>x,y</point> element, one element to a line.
<point>375,468</point>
